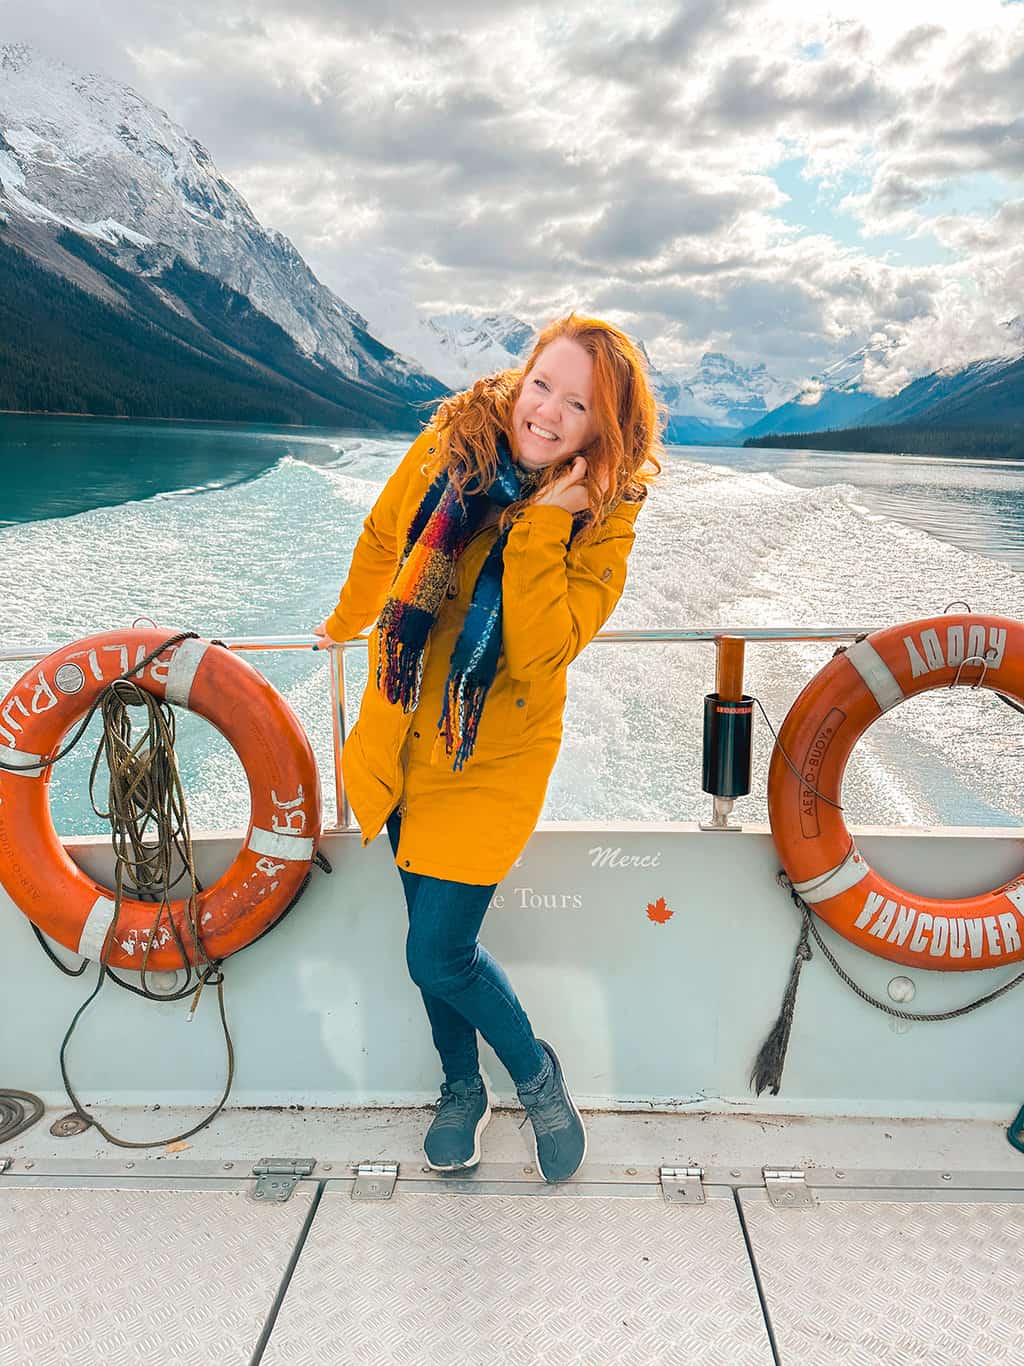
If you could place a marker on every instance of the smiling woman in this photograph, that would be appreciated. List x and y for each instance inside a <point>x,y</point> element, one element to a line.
<point>496,551</point>
<point>554,413</point>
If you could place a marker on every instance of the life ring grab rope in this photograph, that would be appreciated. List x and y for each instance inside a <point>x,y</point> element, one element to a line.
<point>153,803</point>
<point>182,845</point>
<point>766,1072</point>
<point>822,796</point>
<point>180,839</point>
<point>284,787</point>
<point>46,761</point>
<point>912,1016</point>
<point>41,762</point>
<point>818,852</point>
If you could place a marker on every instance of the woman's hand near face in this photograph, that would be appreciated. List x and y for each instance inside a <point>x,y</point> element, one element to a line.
<point>569,490</point>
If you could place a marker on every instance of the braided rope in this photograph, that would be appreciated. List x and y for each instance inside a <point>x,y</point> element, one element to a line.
<point>919,1017</point>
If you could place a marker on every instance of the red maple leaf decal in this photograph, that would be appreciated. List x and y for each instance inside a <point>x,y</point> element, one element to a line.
<point>658,911</point>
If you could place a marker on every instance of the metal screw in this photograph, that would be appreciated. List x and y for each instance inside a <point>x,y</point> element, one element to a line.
<point>528,1171</point>
<point>424,1169</point>
<point>631,1171</point>
<point>29,1166</point>
<point>328,1166</point>
<point>129,1164</point>
<point>228,1166</point>
<point>947,1176</point>
<point>840,1176</point>
<point>735,1174</point>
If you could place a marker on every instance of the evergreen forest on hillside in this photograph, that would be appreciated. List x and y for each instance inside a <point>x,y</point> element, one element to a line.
<point>65,350</point>
<point>1004,442</point>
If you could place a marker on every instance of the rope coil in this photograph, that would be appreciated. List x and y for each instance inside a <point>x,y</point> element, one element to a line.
<point>151,838</point>
<point>152,842</point>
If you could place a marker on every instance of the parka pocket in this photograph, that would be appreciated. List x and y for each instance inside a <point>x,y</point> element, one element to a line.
<point>506,716</point>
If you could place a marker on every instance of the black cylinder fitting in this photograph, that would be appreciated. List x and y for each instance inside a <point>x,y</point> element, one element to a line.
<point>727,728</point>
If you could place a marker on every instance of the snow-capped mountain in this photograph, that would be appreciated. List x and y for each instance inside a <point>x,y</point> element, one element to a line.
<point>836,397</point>
<point>721,391</point>
<point>980,394</point>
<point>460,346</point>
<point>854,373</point>
<point>842,395</point>
<point>86,153</point>
<point>705,404</point>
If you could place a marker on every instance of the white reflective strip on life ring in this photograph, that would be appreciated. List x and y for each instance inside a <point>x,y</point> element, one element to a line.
<point>839,879</point>
<point>278,844</point>
<point>19,758</point>
<point>876,674</point>
<point>1016,896</point>
<point>181,671</point>
<point>94,931</point>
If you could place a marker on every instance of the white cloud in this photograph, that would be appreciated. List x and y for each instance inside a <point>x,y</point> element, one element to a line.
<point>610,157</point>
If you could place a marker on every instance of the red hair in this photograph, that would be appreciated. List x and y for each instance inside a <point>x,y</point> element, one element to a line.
<point>624,454</point>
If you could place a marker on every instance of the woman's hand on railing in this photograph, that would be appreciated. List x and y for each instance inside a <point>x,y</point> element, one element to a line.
<point>321,633</point>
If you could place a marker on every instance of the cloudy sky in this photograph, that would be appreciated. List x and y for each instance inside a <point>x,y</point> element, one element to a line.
<point>783,180</point>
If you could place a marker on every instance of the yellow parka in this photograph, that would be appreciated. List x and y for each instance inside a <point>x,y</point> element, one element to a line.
<point>471,826</point>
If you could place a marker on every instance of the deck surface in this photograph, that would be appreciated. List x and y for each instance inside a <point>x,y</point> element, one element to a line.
<point>123,1258</point>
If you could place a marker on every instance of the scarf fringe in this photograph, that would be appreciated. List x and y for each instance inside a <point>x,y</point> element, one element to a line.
<point>460,720</point>
<point>399,671</point>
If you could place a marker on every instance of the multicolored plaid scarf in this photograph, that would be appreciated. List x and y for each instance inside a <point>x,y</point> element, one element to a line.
<point>438,534</point>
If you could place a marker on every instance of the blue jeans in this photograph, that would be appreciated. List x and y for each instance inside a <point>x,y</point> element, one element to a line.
<point>463,988</point>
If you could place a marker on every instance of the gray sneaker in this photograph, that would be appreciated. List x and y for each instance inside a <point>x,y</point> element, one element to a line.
<point>452,1142</point>
<point>559,1138</point>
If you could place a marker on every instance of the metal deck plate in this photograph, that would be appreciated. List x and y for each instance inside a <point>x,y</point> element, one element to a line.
<point>892,1282</point>
<point>128,1275</point>
<point>436,1276</point>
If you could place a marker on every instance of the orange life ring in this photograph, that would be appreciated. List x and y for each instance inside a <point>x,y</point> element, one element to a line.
<point>817,851</point>
<point>284,792</point>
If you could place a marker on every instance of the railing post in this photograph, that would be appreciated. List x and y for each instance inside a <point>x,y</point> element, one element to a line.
<point>727,718</point>
<point>339,729</point>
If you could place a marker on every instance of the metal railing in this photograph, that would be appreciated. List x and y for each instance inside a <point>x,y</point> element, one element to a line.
<point>336,652</point>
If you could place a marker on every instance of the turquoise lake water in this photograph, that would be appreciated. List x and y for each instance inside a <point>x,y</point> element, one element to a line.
<point>248,531</point>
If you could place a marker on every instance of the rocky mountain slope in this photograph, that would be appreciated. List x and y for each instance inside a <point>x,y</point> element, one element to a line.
<point>87,156</point>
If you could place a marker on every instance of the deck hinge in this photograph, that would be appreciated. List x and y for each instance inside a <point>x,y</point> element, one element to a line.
<point>683,1185</point>
<point>375,1181</point>
<point>277,1177</point>
<point>6,1164</point>
<point>787,1188</point>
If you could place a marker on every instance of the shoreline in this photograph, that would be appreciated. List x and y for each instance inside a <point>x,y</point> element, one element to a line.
<point>203,421</point>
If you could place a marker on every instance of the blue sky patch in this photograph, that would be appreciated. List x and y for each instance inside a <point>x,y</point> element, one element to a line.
<point>816,210</point>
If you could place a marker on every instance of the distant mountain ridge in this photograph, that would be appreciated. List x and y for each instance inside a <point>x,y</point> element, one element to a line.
<point>977,409</point>
<point>721,392</point>
<point>983,392</point>
<point>708,404</point>
<point>115,223</point>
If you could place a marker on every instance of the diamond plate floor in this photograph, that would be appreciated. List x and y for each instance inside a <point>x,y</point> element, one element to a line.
<point>119,1276</point>
<point>445,1279</point>
<point>870,1282</point>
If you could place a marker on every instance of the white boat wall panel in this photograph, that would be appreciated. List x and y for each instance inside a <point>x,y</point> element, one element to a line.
<point>665,1012</point>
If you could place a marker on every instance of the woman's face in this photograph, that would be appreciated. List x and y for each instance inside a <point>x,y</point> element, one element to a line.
<point>553,419</point>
